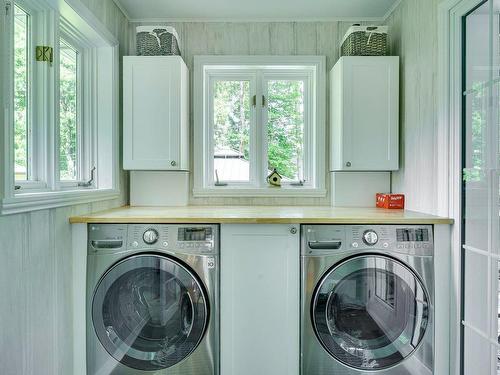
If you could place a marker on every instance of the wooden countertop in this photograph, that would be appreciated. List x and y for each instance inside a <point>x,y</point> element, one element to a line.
<point>260,215</point>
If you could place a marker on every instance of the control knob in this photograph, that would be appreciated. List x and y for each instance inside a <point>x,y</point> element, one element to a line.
<point>370,237</point>
<point>150,236</point>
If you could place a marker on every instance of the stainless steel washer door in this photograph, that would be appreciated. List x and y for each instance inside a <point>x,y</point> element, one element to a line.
<point>149,311</point>
<point>370,312</point>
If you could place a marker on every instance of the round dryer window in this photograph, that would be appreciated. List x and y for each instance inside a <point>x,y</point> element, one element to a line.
<point>149,312</point>
<point>370,312</point>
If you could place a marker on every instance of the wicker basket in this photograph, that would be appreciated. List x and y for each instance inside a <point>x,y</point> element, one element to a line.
<point>365,41</point>
<point>157,41</point>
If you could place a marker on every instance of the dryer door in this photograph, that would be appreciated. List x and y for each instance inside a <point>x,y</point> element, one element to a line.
<point>150,311</point>
<point>370,312</point>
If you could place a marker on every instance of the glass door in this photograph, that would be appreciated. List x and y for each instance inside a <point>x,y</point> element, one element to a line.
<point>480,189</point>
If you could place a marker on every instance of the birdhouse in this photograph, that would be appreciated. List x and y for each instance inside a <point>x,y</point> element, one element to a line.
<point>274,178</point>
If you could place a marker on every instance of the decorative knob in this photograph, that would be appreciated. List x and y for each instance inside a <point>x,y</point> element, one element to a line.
<point>173,163</point>
<point>150,236</point>
<point>348,164</point>
<point>370,237</point>
<point>293,230</point>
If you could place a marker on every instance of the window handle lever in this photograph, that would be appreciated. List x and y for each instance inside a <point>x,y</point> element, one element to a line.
<point>89,182</point>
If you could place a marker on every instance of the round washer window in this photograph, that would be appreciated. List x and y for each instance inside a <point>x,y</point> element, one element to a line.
<point>370,312</point>
<point>150,312</point>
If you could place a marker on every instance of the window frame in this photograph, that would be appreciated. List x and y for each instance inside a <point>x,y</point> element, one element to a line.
<point>311,70</point>
<point>36,151</point>
<point>99,120</point>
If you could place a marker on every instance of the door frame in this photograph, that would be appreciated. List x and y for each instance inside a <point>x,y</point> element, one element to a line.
<point>449,154</point>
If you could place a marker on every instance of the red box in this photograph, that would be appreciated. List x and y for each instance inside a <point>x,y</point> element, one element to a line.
<point>393,201</point>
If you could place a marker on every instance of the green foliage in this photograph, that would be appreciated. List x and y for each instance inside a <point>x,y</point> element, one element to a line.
<point>68,112</point>
<point>20,92</point>
<point>232,116</point>
<point>285,126</point>
<point>476,139</point>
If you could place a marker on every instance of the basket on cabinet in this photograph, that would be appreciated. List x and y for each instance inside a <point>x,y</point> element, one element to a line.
<point>157,41</point>
<point>365,41</point>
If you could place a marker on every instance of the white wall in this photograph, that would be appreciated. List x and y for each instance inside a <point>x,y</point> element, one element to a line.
<point>36,270</point>
<point>413,28</point>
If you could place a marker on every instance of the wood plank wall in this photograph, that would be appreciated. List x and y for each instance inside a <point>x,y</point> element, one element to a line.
<point>256,38</point>
<point>36,270</point>
<point>414,37</point>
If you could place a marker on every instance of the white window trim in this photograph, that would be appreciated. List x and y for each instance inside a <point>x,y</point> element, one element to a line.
<point>105,54</point>
<point>203,184</point>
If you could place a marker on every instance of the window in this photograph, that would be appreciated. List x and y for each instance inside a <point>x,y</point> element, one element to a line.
<point>52,55</point>
<point>255,115</point>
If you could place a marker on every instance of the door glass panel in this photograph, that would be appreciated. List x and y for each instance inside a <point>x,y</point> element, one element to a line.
<point>21,94</point>
<point>285,128</point>
<point>231,131</point>
<point>480,187</point>
<point>478,67</point>
<point>371,312</point>
<point>149,312</point>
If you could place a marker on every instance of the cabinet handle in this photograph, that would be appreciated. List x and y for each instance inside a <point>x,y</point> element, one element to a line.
<point>173,163</point>
<point>348,164</point>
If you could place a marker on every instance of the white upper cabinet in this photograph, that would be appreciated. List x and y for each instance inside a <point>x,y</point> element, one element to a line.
<point>155,113</point>
<point>364,114</point>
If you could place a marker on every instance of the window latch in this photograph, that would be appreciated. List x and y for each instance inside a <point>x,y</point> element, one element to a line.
<point>217,181</point>
<point>299,183</point>
<point>7,8</point>
<point>254,101</point>
<point>89,182</point>
<point>263,101</point>
<point>44,54</point>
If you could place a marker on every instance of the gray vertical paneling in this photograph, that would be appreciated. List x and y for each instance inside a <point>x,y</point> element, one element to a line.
<point>35,268</point>
<point>257,38</point>
<point>414,37</point>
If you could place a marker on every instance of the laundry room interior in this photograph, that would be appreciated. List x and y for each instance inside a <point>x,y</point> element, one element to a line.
<point>276,187</point>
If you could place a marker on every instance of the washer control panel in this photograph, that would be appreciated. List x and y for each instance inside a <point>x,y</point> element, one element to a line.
<point>411,240</point>
<point>189,238</point>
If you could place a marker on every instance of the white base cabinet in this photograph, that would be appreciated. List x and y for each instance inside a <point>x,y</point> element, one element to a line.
<point>260,285</point>
<point>364,114</point>
<point>155,113</point>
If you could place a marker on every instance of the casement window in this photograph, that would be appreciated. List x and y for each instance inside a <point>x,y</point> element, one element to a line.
<point>255,115</point>
<point>53,116</point>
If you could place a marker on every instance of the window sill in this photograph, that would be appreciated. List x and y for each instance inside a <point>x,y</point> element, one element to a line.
<point>269,192</point>
<point>31,201</point>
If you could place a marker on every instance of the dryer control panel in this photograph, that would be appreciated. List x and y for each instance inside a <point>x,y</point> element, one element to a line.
<point>196,239</point>
<point>192,239</point>
<point>411,240</point>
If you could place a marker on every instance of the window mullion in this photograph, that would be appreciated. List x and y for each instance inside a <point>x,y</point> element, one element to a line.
<point>260,147</point>
<point>255,149</point>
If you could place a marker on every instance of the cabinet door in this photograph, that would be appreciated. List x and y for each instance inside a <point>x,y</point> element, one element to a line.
<point>370,113</point>
<point>152,124</point>
<point>259,300</point>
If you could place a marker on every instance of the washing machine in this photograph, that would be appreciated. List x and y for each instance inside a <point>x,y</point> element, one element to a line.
<point>152,299</point>
<point>367,300</point>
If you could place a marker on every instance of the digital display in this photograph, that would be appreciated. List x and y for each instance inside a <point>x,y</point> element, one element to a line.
<point>195,234</point>
<point>412,235</point>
